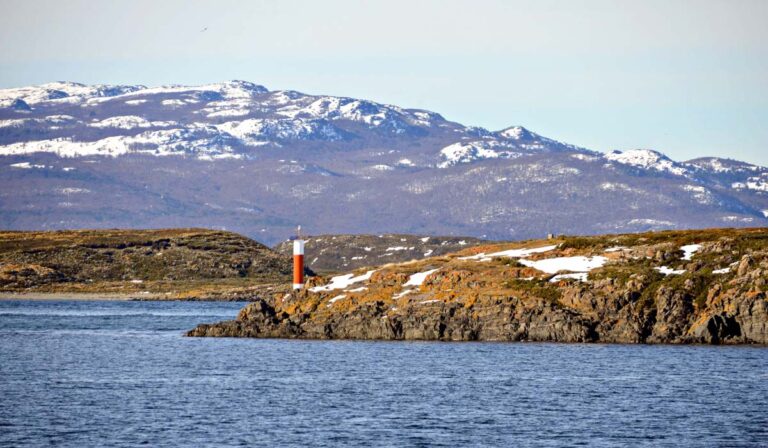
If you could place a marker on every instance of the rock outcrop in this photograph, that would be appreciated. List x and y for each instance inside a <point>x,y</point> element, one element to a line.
<point>647,290</point>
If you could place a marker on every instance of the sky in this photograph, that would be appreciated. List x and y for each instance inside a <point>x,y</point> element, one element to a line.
<point>688,78</point>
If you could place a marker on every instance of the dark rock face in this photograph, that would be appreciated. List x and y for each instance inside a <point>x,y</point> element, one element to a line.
<point>505,320</point>
<point>464,299</point>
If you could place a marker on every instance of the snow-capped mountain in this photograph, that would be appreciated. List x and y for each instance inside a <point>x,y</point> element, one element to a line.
<point>240,156</point>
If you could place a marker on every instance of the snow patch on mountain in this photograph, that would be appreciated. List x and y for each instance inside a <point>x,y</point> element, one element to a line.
<point>61,92</point>
<point>26,166</point>
<point>382,167</point>
<point>230,90</point>
<point>466,152</point>
<point>651,223</point>
<point>720,166</point>
<point>258,130</point>
<point>515,133</point>
<point>615,186</point>
<point>228,113</point>
<point>647,159</point>
<point>734,218</point>
<point>388,117</point>
<point>195,141</point>
<point>585,157</point>
<point>130,122</point>
<point>54,121</point>
<point>700,194</point>
<point>755,183</point>
<point>173,103</point>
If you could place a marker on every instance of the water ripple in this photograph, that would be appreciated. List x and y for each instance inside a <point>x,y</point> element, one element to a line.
<point>79,374</point>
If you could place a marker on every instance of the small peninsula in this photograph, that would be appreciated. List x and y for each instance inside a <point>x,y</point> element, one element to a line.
<point>671,287</point>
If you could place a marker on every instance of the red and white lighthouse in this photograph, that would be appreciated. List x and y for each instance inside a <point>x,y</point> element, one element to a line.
<point>298,261</point>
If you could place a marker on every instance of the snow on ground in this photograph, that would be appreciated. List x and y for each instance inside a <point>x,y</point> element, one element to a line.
<point>335,299</point>
<point>397,248</point>
<point>722,271</point>
<point>669,271</point>
<point>402,293</point>
<point>512,253</point>
<point>689,250</point>
<point>418,278</point>
<point>580,276</point>
<point>343,281</point>
<point>616,249</point>
<point>429,301</point>
<point>360,289</point>
<point>573,264</point>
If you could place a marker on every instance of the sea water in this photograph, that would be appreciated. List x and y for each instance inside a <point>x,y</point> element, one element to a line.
<point>89,373</point>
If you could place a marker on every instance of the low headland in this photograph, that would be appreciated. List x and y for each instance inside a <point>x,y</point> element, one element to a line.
<point>672,287</point>
<point>165,264</point>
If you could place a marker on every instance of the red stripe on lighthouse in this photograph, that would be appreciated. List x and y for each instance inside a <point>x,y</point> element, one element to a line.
<point>298,264</point>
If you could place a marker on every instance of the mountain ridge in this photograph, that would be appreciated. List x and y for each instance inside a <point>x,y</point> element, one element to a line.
<point>237,156</point>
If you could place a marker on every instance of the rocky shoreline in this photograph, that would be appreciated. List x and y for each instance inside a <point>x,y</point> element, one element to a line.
<point>647,290</point>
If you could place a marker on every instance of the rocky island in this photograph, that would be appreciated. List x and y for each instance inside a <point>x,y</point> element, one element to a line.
<point>167,264</point>
<point>676,287</point>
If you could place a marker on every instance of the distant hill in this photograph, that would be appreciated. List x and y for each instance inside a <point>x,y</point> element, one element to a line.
<point>172,261</point>
<point>334,253</point>
<point>238,156</point>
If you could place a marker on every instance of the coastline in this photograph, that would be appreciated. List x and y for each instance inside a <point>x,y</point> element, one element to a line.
<point>85,297</point>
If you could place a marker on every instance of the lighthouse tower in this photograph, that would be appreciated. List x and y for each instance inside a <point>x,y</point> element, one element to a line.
<point>298,260</point>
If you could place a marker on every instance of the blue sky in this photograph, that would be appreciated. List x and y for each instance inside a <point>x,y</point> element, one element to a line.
<point>688,78</point>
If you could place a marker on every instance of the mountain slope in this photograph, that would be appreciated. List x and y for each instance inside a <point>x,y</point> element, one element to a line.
<point>238,156</point>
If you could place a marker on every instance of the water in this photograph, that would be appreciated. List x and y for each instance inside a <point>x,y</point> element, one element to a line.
<point>121,374</point>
